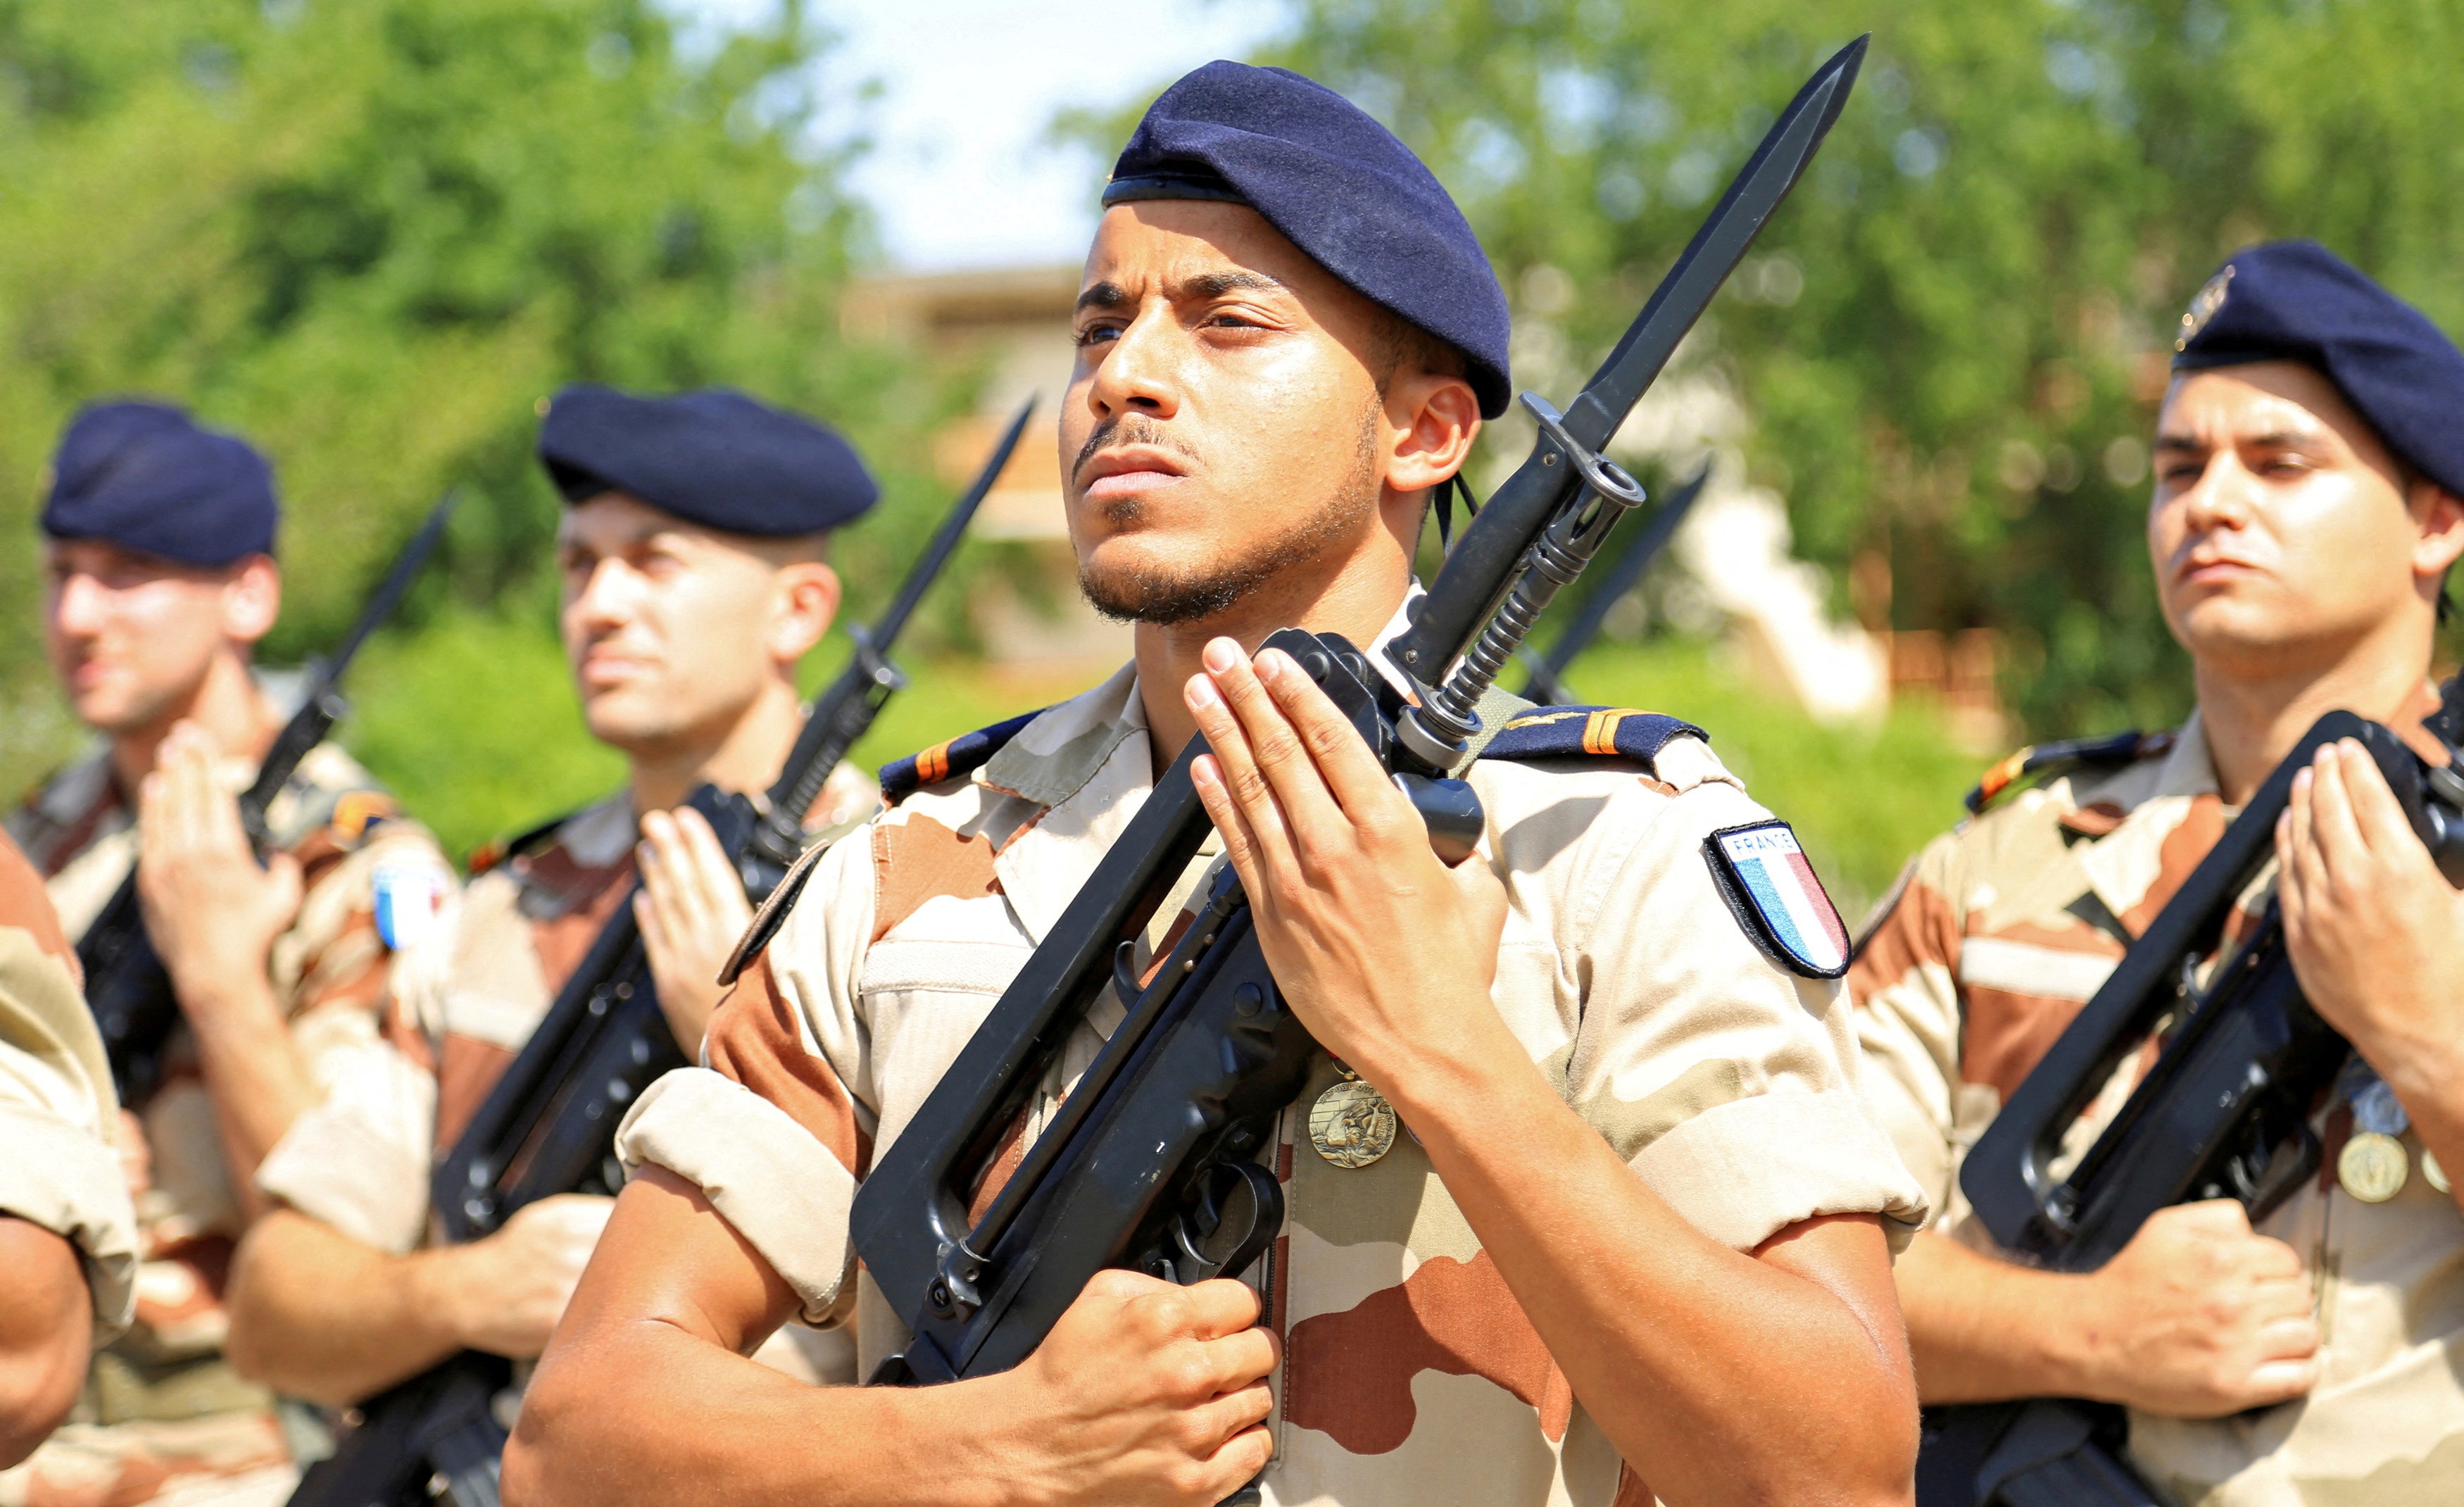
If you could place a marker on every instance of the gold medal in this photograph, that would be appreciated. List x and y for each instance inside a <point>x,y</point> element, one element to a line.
<point>1351,1124</point>
<point>2433,1173</point>
<point>2372,1166</point>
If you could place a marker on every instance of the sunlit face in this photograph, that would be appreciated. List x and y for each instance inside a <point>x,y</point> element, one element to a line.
<point>1223,422</point>
<point>669,627</point>
<point>131,635</point>
<point>2281,529</point>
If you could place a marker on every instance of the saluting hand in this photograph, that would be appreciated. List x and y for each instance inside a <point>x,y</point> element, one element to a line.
<point>692,911</point>
<point>1385,952</point>
<point>211,911</point>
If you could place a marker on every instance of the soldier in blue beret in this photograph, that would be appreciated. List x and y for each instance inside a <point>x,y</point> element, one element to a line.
<point>160,580</point>
<point>693,552</point>
<point>1585,1276</point>
<point>2308,503</point>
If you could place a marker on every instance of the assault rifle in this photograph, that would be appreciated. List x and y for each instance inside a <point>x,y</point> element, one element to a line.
<point>2225,1113</point>
<point>125,986</point>
<point>548,1126</point>
<point>1148,1163</point>
<point>1547,684</point>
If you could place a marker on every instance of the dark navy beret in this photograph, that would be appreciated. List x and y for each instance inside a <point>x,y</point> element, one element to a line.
<point>2296,301</point>
<point>714,458</point>
<point>147,476</point>
<point>1339,187</point>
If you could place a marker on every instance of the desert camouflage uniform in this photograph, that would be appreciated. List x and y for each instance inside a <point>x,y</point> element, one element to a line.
<point>1410,1374</point>
<point>164,1418</point>
<point>464,1002</point>
<point>58,1166</point>
<point>2003,929</point>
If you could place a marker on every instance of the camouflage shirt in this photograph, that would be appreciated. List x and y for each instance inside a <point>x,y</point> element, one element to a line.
<point>2002,930</point>
<point>464,1001</point>
<point>162,1413</point>
<point>1410,1374</point>
<point>59,1167</point>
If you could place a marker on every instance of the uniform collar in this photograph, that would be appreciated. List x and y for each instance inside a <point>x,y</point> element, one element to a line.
<point>1087,761</point>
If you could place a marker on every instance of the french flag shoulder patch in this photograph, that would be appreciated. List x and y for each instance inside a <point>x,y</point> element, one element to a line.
<point>1763,875</point>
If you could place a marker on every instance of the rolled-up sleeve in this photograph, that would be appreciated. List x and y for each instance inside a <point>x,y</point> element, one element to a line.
<point>769,1128</point>
<point>1728,1082</point>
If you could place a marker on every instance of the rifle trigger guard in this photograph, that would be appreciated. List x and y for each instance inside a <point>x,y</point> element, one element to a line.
<point>1210,1243</point>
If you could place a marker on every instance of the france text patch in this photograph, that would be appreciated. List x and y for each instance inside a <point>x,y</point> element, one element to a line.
<point>1764,873</point>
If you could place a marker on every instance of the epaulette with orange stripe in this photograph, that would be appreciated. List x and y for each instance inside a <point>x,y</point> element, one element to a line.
<point>962,755</point>
<point>488,855</point>
<point>1601,732</point>
<point>2046,761</point>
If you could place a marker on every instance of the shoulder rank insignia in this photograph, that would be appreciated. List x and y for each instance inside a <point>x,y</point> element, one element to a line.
<point>1568,732</point>
<point>962,755</point>
<point>2049,760</point>
<point>355,811</point>
<point>1763,875</point>
<point>496,851</point>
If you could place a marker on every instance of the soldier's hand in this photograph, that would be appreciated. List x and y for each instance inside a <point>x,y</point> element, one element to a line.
<point>2375,932</point>
<point>511,1287</point>
<point>692,911</point>
<point>1144,1393</point>
<point>211,911</point>
<point>1385,952</point>
<point>2200,1317</point>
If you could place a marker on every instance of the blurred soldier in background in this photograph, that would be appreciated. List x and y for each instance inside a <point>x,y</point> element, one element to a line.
<point>68,1236</point>
<point>160,580</point>
<point>2308,474</point>
<point>693,552</point>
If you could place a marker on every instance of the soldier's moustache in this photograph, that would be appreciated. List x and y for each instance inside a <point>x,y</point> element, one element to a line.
<point>1165,594</point>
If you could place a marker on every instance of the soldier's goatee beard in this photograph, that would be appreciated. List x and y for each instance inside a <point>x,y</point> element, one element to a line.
<point>1164,596</point>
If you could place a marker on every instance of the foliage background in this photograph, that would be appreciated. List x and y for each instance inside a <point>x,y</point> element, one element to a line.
<point>1955,335</point>
<point>372,235</point>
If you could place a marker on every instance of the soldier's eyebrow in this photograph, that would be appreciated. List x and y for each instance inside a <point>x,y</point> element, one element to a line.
<point>1101,296</point>
<point>1216,284</point>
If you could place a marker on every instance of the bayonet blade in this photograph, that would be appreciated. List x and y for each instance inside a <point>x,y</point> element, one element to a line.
<point>1759,189</point>
<point>919,577</point>
<point>397,581</point>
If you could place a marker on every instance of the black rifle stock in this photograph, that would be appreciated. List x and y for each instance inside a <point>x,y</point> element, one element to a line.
<point>548,1126</point>
<point>1546,683</point>
<point>126,988</point>
<point>2224,1113</point>
<point>1148,1163</point>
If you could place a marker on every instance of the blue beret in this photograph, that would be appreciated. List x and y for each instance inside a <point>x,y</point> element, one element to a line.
<point>2296,301</point>
<point>713,457</point>
<point>147,477</point>
<point>1339,187</point>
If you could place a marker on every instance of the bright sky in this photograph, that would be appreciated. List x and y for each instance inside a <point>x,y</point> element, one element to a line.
<point>961,174</point>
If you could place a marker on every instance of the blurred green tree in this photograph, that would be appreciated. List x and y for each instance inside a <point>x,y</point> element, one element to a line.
<point>1954,337</point>
<point>373,235</point>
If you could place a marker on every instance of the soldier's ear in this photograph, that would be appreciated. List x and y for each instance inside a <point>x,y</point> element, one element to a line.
<point>251,599</point>
<point>804,600</point>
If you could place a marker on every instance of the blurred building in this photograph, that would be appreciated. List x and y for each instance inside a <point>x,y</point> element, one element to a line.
<point>1013,326</point>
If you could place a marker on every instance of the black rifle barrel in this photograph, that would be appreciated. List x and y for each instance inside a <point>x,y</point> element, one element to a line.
<point>1479,569</point>
<point>1547,682</point>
